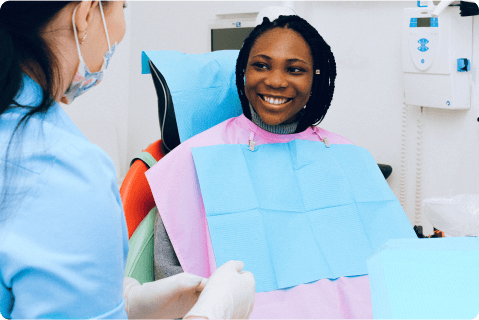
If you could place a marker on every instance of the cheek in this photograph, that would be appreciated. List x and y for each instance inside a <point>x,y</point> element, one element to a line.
<point>306,89</point>
<point>119,27</point>
<point>249,86</point>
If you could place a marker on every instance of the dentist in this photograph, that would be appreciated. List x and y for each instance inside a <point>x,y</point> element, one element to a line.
<point>63,236</point>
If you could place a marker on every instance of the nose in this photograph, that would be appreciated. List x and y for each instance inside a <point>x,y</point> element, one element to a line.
<point>276,79</point>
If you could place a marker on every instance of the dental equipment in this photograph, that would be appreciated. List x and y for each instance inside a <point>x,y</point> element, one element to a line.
<point>436,57</point>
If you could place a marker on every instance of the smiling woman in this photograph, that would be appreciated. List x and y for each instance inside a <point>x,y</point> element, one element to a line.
<point>285,76</point>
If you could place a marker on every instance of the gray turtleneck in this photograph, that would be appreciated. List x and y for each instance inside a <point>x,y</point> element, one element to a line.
<point>288,128</point>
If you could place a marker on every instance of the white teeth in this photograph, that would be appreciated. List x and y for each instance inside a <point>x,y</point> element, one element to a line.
<point>274,101</point>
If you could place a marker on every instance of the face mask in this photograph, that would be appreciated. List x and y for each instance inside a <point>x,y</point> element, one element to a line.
<point>84,79</point>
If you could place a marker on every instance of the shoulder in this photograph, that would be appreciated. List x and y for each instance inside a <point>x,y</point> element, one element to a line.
<point>51,137</point>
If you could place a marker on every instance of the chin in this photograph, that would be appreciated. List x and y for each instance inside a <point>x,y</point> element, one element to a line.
<point>272,122</point>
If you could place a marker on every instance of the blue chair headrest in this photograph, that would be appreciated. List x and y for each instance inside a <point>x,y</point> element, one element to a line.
<point>202,86</point>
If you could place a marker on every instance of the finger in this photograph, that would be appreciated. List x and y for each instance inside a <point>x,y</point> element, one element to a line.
<point>194,281</point>
<point>202,284</point>
<point>238,265</point>
<point>247,274</point>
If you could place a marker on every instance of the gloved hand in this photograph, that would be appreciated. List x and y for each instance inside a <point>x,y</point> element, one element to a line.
<point>170,298</point>
<point>228,294</point>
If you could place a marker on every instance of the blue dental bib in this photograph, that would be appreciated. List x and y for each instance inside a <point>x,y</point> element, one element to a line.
<point>297,212</point>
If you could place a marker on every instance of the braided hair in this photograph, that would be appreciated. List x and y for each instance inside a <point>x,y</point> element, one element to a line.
<point>323,84</point>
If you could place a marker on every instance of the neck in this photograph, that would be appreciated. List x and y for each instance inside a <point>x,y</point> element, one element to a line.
<point>284,128</point>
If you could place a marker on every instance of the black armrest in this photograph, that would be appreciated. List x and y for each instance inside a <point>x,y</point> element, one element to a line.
<point>385,169</point>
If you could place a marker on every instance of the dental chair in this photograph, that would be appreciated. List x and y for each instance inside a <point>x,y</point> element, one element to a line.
<point>138,202</point>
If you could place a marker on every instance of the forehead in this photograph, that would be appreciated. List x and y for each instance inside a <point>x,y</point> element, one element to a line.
<point>282,44</point>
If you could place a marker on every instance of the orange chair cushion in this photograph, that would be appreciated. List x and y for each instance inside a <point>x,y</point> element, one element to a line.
<point>135,191</point>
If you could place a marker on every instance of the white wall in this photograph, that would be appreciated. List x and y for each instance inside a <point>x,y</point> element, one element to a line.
<point>365,38</point>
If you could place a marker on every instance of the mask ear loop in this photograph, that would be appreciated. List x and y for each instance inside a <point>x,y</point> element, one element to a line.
<point>75,32</point>
<point>104,24</point>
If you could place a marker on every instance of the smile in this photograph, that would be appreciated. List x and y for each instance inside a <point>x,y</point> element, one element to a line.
<point>275,100</point>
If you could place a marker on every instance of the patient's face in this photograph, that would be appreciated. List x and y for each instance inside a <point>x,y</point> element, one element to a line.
<point>279,75</point>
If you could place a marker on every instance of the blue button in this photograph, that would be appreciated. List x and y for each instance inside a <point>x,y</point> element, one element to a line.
<point>412,25</point>
<point>433,19</point>
<point>423,48</point>
<point>419,4</point>
<point>413,19</point>
<point>434,25</point>
<point>238,24</point>
<point>463,65</point>
<point>422,60</point>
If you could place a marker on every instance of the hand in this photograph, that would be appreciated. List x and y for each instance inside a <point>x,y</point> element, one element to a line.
<point>171,297</point>
<point>228,294</point>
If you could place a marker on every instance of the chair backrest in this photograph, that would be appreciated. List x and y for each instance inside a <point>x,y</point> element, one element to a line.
<point>140,213</point>
<point>135,191</point>
<point>166,112</point>
<point>138,202</point>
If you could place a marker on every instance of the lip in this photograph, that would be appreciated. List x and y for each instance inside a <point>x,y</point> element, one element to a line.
<point>261,96</point>
<point>273,96</point>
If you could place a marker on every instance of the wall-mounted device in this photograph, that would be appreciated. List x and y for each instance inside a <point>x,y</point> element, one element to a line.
<point>436,58</point>
<point>229,31</point>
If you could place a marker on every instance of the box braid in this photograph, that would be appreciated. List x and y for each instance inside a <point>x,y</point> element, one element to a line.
<point>323,84</point>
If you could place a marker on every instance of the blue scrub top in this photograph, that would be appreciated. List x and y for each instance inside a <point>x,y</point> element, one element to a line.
<point>64,240</point>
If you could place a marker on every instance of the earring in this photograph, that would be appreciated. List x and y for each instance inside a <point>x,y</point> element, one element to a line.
<point>317,71</point>
<point>83,39</point>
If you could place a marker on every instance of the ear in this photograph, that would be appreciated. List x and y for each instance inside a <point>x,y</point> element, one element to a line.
<point>84,14</point>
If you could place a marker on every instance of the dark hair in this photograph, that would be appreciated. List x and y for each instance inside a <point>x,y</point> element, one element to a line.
<point>23,48</point>
<point>323,59</point>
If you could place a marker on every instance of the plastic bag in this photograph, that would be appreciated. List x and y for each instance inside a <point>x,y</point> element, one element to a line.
<point>457,216</point>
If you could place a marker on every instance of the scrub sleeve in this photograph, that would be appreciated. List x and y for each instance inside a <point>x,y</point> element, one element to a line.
<point>64,243</point>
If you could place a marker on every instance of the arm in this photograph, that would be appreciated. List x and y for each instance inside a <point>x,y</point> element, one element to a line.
<point>166,263</point>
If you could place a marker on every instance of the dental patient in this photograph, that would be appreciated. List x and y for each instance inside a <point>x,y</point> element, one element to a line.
<point>285,77</point>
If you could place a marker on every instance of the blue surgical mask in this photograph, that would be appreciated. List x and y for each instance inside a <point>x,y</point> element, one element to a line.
<point>84,79</point>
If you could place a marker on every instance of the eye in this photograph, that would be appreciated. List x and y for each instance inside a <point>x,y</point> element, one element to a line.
<point>260,66</point>
<point>295,70</point>
<point>125,5</point>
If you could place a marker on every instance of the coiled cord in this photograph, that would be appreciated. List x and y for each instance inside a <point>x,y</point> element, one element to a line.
<point>402,187</point>
<point>417,212</point>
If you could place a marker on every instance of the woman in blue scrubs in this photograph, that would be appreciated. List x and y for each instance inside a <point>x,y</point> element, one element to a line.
<point>63,236</point>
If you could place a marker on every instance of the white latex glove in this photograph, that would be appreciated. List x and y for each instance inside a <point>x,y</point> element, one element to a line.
<point>228,294</point>
<point>169,298</point>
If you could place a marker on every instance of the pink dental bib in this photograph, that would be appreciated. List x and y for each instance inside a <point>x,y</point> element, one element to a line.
<point>175,187</point>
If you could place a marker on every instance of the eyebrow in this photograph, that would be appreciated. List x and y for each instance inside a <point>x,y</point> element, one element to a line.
<point>289,60</point>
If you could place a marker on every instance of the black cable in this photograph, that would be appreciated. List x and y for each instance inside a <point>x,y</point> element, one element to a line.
<point>469,8</point>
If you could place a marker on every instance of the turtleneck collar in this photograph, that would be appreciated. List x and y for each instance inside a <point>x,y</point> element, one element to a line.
<point>288,128</point>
